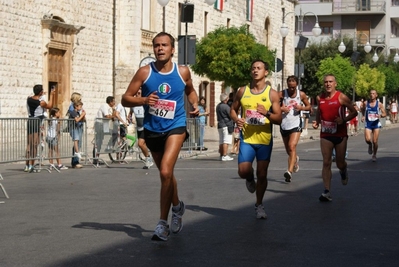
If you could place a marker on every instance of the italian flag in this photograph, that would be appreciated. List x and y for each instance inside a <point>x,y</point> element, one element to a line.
<point>219,5</point>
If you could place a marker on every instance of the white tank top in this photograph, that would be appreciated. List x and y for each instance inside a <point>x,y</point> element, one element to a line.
<point>292,119</point>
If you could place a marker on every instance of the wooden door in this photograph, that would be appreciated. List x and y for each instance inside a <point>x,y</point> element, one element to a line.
<point>56,75</point>
<point>363,29</point>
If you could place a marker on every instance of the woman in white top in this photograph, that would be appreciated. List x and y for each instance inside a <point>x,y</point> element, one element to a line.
<point>291,125</point>
<point>394,111</point>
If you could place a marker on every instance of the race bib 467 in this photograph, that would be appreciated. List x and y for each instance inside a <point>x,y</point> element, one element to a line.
<point>164,109</point>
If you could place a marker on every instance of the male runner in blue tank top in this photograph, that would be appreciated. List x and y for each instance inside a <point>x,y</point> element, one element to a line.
<point>163,85</point>
<point>372,111</point>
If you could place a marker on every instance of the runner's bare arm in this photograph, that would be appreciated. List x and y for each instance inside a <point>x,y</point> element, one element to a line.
<point>383,112</point>
<point>128,98</point>
<point>235,107</point>
<point>275,116</point>
<point>190,91</point>
<point>305,101</point>
<point>345,101</point>
<point>316,122</point>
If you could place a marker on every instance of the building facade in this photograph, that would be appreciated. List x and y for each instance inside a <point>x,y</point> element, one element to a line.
<point>94,47</point>
<point>373,21</point>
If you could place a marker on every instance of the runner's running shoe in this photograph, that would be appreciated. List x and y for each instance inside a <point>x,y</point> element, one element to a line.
<point>344,176</point>
<point>260,212</point>
<point>325,197</point>
<point>288,176</point>
<point>370,149</point>
<point>161,232</point>
<point>374,158</point>
<point>148,162</point>
<point>251,185</point>
<point>177,222</point>
<point>296,166</point>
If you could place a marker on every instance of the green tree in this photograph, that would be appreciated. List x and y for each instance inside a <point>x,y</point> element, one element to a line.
<point>391,79</point>
<point>369,78</point>
<point>317,51</point>
<point>226,55</point>
<point>343,71</point>
<point>311,57</point>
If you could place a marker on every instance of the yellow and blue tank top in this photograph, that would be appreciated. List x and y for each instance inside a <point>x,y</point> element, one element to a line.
<point>257,128</point>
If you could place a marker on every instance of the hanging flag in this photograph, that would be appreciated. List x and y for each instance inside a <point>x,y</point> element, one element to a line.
<point>219,5</point>
<point>250,8</point>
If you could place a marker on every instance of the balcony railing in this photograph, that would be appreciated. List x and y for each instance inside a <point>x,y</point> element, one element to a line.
<point>356,6</point>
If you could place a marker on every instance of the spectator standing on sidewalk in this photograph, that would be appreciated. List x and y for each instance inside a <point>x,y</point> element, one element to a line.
<point>105,113</point>
<point>75,98</point>
<point>36,106</point>
<point>372,111</point>
<point>138,119</point>
<point>291,124</point>
<point>164,84</point>
<point>260,106</point>
<point>79,117</point>
<point>52,139</point>
<point>394,111</point>
<point>333,135</point>
<point>225,127</point>
<point>203,113</point>
<point>121,116</point>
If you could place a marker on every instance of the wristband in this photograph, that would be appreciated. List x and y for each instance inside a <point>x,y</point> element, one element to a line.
<point>268,113</point>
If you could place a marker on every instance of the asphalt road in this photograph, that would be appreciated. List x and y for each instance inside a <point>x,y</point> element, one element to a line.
<point>106,216</point>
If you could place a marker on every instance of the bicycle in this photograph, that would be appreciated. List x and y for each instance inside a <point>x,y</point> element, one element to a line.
<point>125,146</point>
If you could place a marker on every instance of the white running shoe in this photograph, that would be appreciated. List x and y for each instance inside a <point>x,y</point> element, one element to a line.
<point>296,166</point>
<point>177,222</point>
<point>148,163</point>
<point>161,232</point>
<point>325,197</point>
<point>227,158</point>
<point>260,212</point>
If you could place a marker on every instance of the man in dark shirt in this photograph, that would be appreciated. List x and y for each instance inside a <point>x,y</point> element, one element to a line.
<point>225,127</point>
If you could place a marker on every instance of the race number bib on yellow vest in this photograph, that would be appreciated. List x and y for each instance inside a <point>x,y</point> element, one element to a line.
<point>253,117</point>
<point>164,109</point>
<point>328,127</point>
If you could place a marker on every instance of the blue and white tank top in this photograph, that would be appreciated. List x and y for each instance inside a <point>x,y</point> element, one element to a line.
<point>168,113</point>
<point>372,115</point>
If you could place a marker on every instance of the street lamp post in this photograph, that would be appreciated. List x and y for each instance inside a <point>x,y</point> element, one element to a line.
<point>387,49</point>
<point>284,32</point>
<point>163,3</point>
<point>367,47</point>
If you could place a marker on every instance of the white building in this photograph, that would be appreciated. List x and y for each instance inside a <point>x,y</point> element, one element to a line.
<point>373,21</point>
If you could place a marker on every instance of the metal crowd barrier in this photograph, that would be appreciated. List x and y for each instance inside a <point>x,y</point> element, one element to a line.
<point>106,133</point>
<point>107,140</point>
<point>193,128</point>
<point>24,139</point>
<point>15,145</point>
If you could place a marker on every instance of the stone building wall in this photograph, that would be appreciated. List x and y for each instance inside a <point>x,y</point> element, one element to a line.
<point>104,56</point>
